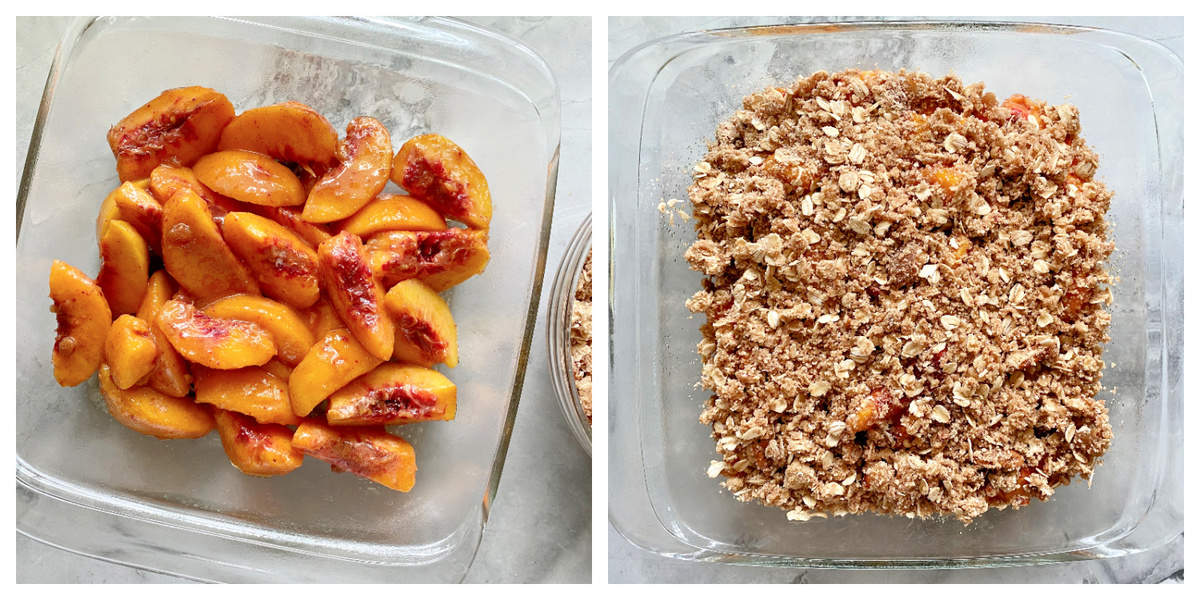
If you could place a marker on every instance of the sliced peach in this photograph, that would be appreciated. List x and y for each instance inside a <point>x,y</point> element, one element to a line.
<point>364,163</point>
<point>148,411</point>
<point>170,375</point>
<point>254,448</point>
<point>334,361</point>
<point>130,351</point>
<point>195,254</point>
<point>423,320</point>
<point>109,209</point>
<point>124,267</point>
<point>137,206</point>
<point>289,330</point>
<point>393,394</point>
<point>441,259</point>
<point>355,294</point>
<point>178,126</point>
<point>391,212</point>
<point>83,321</point>
<point>435,170</point>
<point>313,233</point>
<point>253,391</point>
<point>249,177</point>
<point>168,179</point>
<point>281,262</point>
<point>280,370</point>
<point>214,342</point>
<point>322,318</point>
<point>291,132</point>
<point>369,452</point>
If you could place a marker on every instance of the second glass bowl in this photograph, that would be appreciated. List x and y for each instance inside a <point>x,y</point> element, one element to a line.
<point>558,333</point>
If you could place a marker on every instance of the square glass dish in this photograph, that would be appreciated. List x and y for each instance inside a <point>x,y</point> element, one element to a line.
<point>666,99</point>
<point>89,485</point>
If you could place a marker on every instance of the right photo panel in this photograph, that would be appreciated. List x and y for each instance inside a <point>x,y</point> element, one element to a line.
<point>895,300</point>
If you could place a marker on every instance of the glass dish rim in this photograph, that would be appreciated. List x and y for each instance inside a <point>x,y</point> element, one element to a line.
<point>558,333</point>
<point>1166,305</point>
<point>69,496</point>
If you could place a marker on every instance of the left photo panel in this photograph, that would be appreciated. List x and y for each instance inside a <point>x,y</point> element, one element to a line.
<point>319,297</point>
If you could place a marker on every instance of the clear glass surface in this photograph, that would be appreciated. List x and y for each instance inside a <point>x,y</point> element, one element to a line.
<point>558,333</point>
<point>89,485</point>
<point>666,98</point>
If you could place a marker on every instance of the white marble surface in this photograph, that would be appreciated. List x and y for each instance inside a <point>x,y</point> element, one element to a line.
<point>630,564</point>
<point>540,527</point>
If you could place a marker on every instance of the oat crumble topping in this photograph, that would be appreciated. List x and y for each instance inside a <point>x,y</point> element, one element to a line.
<point>581,336</point>
<point>905,297</point>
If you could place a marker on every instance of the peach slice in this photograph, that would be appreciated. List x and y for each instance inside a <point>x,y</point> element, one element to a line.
<point>334,361</point>
<point>369,452</point>
<point>214,342</point>
<point>322,318</point>
<point>283,264</point>
<point>83,321</point>
<point>291,132</point>
<point>178,126</point>
<point>289,330</point>
<point>423,320</point>
<point>313,233</point>
<point>138,207</point>
<point>170,375</point>
<point>168,179</point>
<point>257,449</point>
<point>435,170</point>
<point>441,259</point>
<point>195,254</point>
<point>355,294</point>
<point>249,177</point>
<point>109,209</point>
<point>280,370</point>
<point>253,391</point>
<point>392,395</point>
<point>364,163</point>
<point>130,351</point>
<point>391,212</point>
<point>148,411</point>
<point>124,267</point>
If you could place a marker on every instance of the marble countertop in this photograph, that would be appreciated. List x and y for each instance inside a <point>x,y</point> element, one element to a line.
<point>540,527</point>
<point>628,563</point>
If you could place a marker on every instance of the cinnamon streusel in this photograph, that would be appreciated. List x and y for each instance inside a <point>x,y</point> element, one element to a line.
<point>905,297</point>
<point>581,336</point>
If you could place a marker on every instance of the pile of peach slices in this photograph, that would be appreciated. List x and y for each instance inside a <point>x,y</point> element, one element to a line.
<point>263,284</point>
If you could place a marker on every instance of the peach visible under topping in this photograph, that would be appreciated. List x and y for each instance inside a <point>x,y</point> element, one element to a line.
<point>290,132</point>
<point>441,259</point>
<point>438,172</point>
<point>364,163</point>
<point>355,294</point>
<point>83,322</point>
<point>283,264</point>
<point>369,452</point>
<point>393,394</point>
<point>255,448</point>
<point>213,342</point>
<point>179,126</point>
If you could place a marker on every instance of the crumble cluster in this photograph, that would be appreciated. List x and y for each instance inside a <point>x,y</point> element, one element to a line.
<point>905,297</point>
<point>581,336</point>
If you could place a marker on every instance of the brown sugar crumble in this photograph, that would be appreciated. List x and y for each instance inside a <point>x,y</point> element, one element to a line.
<point>905,297</point>
<point>581,337</point>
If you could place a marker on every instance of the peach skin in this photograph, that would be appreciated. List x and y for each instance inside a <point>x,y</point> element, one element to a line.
<point>252,391</point>
<point>391,212</point>
<point>355,294</point>
<point>124,267</point>
<point>423,321</point>
<point>438,172</point>
<point>147,411</point>
<point>393,394</point>
<point>441,259</point>
<point>213,342</point>
<point>282,263</point>
<point>195,254</point>
<point>257,449</point>
<point>83,322</point>
<point>249,177</point>
<point>364,163</point>
<point>130,351</point>
<point>369,452</point>
<point>291,132</point>
<point>289,330</point>
<point>179,126</point>
<point>332,362</point>
<point>137,206</point>
<point>170,375</point>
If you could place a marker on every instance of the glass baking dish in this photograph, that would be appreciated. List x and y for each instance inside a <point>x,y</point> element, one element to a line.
<point>87,484</point>
<point>666,98</point>
<point>558,334</point>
